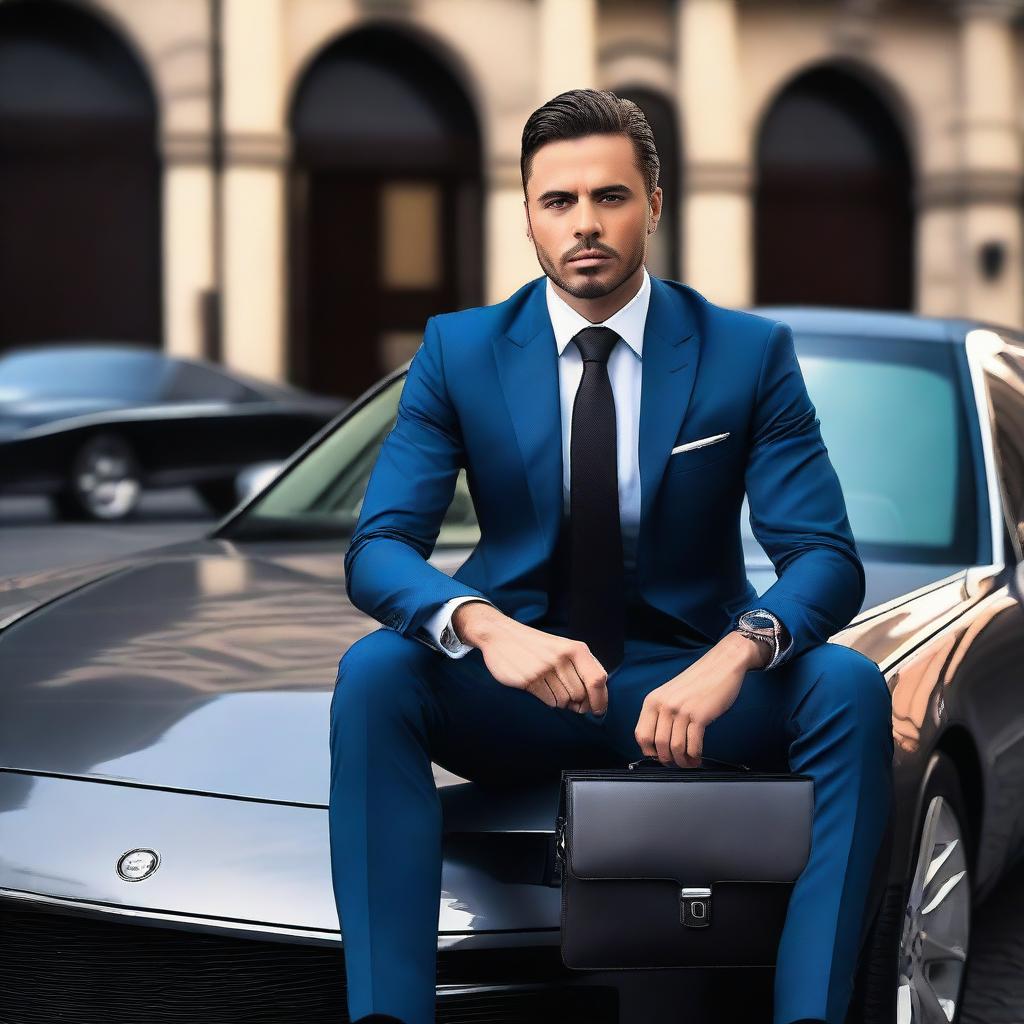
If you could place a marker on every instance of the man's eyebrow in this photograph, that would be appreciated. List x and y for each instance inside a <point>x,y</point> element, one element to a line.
<point>555,193</point>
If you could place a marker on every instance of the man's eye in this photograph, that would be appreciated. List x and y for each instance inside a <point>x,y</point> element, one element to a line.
<point>553,201</point>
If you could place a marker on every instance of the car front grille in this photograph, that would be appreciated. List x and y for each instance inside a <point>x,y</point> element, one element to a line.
<point>67,967</point>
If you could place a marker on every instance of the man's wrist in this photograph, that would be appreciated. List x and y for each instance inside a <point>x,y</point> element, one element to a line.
<point>472,621</point>
<point>753,654</point>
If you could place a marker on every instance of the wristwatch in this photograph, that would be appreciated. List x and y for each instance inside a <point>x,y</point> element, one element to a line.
<point>760,624</point>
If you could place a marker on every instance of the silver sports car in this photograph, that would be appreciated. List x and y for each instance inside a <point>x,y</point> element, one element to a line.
<point>164,724</point>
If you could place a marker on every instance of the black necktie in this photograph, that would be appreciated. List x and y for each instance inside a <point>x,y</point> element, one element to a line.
<point>596,575</point>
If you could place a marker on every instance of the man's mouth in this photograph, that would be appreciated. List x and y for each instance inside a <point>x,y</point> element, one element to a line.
<point>591,256</point>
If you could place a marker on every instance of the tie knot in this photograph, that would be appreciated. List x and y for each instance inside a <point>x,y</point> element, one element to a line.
<point>595,343</point>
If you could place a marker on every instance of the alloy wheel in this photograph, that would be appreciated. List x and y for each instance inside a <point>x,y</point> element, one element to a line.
<point>936,925</point>
<point>106,480</point>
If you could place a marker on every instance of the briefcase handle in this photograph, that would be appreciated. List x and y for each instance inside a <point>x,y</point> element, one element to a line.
<point>648,761</point>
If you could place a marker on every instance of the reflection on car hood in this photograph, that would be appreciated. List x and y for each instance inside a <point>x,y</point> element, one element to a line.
<point>200,669</point>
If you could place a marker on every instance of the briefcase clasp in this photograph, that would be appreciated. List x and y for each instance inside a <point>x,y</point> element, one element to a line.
<point>695,906</point>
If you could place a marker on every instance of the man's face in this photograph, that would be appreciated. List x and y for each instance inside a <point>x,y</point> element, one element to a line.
<point>584,195</point>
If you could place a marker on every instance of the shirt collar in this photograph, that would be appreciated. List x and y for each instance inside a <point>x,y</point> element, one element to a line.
<point>627,322</point>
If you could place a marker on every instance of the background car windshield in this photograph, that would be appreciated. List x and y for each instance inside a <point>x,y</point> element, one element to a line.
<point>81,373</point>
<point>891,417</point>
<point>893,420</point>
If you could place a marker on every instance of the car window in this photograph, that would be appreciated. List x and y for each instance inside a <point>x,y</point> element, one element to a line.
<point>192,382</point>
<point>133,375</point>
<point>892,418</point>
<point>322,494</point>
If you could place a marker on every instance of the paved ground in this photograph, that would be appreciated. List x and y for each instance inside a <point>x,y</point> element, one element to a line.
<point>31,539</point>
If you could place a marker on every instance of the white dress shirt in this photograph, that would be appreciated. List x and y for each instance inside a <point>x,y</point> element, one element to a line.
<point>624,372</point>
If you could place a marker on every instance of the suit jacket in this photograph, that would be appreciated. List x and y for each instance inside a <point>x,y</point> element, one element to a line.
<point>482,393</point>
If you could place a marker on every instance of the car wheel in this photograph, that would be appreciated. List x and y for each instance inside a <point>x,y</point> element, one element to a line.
<point>104,482</point>
<point>915,958</point>
<point>219,496</point>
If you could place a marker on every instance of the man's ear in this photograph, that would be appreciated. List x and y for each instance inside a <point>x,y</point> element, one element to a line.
<point>655,213</point>
<point>529,226</point>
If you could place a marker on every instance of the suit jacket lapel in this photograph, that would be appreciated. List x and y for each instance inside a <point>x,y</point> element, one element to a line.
<point>527,361</point>
<point>668,370</point>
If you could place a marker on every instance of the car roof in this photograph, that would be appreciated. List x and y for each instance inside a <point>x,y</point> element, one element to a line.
<point>872,322</point>
<point>88,348</point>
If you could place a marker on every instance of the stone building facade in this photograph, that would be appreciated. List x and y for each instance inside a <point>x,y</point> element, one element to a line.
<point>293,186</point>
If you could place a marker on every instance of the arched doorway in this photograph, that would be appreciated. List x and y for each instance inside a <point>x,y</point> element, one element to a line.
<point>833,221</point>
<point>664,244</point>
<point>79,182</point>
<point>385,207</point>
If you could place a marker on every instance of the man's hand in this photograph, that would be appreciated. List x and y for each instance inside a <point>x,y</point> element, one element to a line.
<point>557,670</point>
<point>674,716</point>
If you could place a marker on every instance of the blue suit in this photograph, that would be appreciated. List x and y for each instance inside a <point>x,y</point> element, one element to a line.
<point>482,393</point>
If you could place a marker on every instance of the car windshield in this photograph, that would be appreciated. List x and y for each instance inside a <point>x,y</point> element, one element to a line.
<point>891,418</point>
<point>127,375</point>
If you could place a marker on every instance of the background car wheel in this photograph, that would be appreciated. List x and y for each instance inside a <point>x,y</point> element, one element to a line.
<point>104,482</point>
<point>219,496</point>
<point>915,957</point>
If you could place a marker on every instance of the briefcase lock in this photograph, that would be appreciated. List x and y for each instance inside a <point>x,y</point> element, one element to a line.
<point>695,907</point>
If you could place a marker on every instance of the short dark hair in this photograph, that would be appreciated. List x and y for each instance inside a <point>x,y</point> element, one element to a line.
<point>579,112</point>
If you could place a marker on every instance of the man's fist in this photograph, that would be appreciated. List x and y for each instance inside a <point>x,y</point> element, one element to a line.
<point>557,670</point>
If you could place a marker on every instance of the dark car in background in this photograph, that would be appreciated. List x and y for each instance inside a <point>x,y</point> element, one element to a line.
<point>164,732</point>
<point>92,426</point>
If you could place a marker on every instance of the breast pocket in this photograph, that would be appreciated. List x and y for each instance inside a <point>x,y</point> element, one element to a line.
<point>702,451</point>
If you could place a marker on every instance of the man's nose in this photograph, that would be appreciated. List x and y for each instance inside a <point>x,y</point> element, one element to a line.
<point>588,224</point>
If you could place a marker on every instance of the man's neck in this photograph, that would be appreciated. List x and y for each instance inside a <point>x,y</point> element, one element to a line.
<point>598,310</point>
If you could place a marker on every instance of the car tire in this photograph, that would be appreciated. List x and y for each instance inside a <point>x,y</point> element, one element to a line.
<point>219,496</point>
<point>104,482</point>
<point>894,975</point>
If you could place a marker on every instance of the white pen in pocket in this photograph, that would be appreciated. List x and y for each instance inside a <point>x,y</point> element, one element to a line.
<point>700,442</point>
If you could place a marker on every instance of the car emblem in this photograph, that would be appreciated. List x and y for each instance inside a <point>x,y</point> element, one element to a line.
<point>135,865</point>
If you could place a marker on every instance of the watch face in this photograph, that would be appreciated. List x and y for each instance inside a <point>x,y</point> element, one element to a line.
<point>756,620</point>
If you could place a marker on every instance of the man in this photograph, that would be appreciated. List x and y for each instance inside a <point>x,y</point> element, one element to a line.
<point>609,423</point>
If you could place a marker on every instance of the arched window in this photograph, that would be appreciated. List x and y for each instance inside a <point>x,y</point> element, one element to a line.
<point>79,182</point>
<point>833,223</point>
<point>385,207</point>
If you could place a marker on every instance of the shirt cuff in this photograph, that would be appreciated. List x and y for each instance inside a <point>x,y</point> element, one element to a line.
<point>442,618</point>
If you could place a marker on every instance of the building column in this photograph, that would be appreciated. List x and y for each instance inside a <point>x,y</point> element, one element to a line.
<point>987,186</point>
<point>717,218</point>
<point>511,259</point>
<point>256,149</point>
<point>510,255</point>
<point>565,67</point>
<point>187,240</point>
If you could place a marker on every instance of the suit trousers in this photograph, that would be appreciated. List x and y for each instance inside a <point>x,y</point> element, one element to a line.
<point>398,705</point>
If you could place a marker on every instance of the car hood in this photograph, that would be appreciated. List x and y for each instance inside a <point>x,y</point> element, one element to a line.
<point>202,668</point>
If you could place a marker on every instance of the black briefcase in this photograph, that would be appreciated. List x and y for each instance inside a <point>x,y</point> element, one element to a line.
<point>664,866</point>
